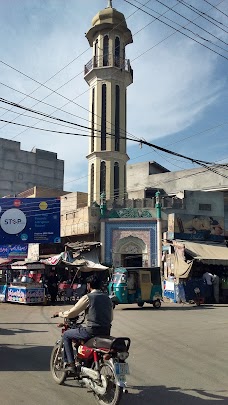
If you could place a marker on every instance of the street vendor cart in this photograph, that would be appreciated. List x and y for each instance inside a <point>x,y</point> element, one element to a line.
<point>26,288</point>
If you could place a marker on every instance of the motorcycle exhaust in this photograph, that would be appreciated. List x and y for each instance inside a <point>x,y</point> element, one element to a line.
<point>98,389</point>
<point>88,372</point>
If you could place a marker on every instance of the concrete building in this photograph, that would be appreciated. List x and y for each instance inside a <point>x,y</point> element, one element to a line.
<point>22,170</point>
<point>78,221</point>
<point>144,179</point>
<point>143,176</point>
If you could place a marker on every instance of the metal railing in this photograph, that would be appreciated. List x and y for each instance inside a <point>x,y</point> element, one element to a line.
<point>108,61</point>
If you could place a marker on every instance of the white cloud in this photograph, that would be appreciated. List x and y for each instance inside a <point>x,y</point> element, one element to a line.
<point>174,84</point>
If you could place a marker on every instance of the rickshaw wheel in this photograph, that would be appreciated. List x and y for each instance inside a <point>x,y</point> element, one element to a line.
<point>157,304</point>
<point>140,304</point>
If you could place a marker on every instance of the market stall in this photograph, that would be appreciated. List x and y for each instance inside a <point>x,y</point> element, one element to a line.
<point>4,275</point>
<point>25,287</point>
<point>185,265</point>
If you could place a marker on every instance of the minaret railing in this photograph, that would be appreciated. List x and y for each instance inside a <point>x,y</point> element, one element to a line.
<point>110,61</point>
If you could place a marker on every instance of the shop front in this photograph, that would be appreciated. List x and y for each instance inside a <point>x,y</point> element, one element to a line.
<point>188,266</point>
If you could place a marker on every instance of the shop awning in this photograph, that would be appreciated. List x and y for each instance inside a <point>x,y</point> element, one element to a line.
<point>207,253</point>
<point>23,265</point>
<point>4,261</point>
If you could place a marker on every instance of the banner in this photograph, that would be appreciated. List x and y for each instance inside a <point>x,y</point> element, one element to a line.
<point>13,251</point>
<point>29,220</point>
<point>195,227</point>
<point>25,295</point>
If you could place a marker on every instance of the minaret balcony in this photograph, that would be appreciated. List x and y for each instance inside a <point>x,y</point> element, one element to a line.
<point>108,61</point>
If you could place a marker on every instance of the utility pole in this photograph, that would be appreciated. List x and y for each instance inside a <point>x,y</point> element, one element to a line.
<point>159,228</point>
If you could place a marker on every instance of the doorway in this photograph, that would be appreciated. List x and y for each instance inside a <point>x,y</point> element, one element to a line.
<point>131,260</point>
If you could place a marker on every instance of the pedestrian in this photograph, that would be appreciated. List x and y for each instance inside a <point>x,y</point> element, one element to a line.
<point>52,283</point>
<point>208,278</point>
<point>215,284</point>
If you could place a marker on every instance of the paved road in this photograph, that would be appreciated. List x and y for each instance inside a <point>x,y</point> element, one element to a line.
<point>179,355</point>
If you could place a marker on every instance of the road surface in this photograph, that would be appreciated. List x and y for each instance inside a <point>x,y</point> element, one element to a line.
<point>179,355</point>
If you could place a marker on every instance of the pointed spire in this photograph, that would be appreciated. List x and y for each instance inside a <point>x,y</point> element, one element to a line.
<point>110,3</point>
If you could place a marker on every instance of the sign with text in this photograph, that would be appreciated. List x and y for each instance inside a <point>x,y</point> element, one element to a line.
<point>13,251</point>
<point>23,295</point>
<point>29,220</point>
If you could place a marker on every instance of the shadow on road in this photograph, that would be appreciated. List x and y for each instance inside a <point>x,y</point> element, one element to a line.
<point>158,395</point>
<point>171,308</point>
<point>24,358</point>
<point>15,331</point>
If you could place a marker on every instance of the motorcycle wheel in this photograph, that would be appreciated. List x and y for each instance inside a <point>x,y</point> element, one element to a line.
<point>114,392</point>
<point>56,365</point>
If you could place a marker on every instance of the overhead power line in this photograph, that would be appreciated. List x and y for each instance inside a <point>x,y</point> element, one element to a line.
<point>191,21</point>
<point>204,15</point>
<point>163,22</point>
<point>142,142</point>
<point>216,8</point>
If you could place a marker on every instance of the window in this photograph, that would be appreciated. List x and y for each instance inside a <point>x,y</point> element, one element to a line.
<point>116,180</point>
<point>92,123</point>
<point>103,118</point>
<point>117,119</point>
<point>105,50</point>
<point>205,207</point>
<point>103,177</point>
<point>92,184</point>
<point>96,53</point>
<point>117,52</point>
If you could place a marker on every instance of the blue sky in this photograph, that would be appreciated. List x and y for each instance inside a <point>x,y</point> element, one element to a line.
<point>179,89</point>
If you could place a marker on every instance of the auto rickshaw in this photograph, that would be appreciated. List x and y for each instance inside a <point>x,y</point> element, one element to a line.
<point>136,285</point>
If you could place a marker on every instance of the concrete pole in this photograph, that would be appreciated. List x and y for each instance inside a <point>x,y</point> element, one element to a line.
<point>159,228</point>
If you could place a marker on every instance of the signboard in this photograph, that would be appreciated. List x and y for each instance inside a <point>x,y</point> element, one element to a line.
<point>3,292</point>
<point>25,295</point>
<point>13,251</point>
<point>29,220</point>
<point>195,227</point>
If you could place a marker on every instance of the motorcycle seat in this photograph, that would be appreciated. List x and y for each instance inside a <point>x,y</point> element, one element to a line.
<point>109,342</point>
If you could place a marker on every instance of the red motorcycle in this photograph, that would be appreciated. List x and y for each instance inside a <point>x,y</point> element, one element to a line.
<point>100,364</point>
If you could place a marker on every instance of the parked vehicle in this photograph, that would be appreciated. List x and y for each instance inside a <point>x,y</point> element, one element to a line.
<point>100,364</point>
<point>136,285</point>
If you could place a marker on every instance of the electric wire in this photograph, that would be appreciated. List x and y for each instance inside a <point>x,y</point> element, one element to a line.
<point>203,14</point>
<point>88,89</point>
<point>191,21</point>
<point>142,141</point>
<point>195,40</point>
<point>206,1</point>
<point>54,91</point>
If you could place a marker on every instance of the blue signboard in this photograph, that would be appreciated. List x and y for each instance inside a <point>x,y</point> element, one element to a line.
<point>25,295</point>
<point>13,251</point>
<point>29,220</point>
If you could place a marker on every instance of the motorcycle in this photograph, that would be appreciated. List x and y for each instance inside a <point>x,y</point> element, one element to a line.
<point>100,364</point>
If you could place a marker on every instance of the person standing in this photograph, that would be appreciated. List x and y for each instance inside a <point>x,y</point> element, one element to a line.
<point>215,285</point>
<point>52,284</point>
<point>208,278</point>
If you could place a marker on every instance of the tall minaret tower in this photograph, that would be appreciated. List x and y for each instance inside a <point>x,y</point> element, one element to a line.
<point>108,74</point>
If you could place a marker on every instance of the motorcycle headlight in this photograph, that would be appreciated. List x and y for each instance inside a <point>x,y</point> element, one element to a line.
<point>122,355</point>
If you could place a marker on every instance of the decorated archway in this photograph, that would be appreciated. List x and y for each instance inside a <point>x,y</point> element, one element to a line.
<point>130,251</point>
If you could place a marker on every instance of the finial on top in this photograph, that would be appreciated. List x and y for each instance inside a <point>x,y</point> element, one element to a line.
<point>110,3</point>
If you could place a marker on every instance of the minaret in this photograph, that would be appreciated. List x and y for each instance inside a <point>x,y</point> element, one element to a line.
<point>108,74</point>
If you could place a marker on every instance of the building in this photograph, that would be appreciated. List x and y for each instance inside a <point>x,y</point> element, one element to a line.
<point>22,170</point>
<point>144,179</point>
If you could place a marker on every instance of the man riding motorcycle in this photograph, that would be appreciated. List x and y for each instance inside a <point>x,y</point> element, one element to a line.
<point>99,315</point>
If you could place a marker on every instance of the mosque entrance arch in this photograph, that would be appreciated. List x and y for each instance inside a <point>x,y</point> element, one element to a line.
<point>131,251</point>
